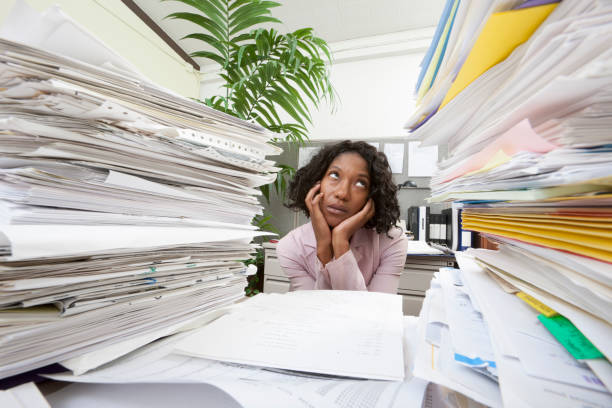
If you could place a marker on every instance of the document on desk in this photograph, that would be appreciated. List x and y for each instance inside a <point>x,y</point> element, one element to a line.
<point>422,248</point>
<point>347,333</point>
<point>250,386</point>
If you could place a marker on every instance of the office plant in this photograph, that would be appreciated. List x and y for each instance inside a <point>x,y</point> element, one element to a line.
<point>270,78</point>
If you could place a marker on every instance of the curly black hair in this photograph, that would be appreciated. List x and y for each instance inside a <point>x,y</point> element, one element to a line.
<point>382,189</point>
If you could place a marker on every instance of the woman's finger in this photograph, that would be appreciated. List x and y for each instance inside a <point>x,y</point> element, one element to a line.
<point>316,203</point>
<point>372,209</point>
<point>311,193</point>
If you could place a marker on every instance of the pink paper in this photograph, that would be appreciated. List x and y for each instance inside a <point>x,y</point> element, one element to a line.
<point>520,138</point>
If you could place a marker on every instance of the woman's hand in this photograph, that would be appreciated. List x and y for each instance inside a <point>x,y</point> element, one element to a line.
<point>342,233</point>
<point>322,231</point>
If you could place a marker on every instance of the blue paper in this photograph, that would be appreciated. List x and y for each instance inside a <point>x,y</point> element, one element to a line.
<point>473,362</point>
<point>445,43</point>
<point>434,42</point>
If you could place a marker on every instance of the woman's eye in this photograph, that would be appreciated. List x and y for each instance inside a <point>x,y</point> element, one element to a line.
<point>362,184</point>
<point>334,175</point>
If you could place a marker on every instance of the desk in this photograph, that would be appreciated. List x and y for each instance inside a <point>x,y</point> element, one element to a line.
<point>414,281</point>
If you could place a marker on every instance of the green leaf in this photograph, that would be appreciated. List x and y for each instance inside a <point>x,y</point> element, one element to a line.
<point>238,3</point>
<point>206,23</point>
<point>251,10</point>
<point>240,54</point>
<point>250,22</point>
<point>210,40</point>
<point>210,55</point>
<point>294,97</point>
<point>209,8</point>
<point>242,37</point>
<point>270,107</point>
<point>279,98</point>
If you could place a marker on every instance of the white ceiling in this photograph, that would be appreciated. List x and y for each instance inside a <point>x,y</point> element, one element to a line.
<point>332,20</point>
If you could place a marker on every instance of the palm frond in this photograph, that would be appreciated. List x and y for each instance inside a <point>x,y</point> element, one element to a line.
<point>215,29</point>
<point>267,76</point>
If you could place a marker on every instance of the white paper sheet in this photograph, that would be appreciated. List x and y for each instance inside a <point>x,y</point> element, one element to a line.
<point>395,156</point>
<point>421,160</point>
<point>27,395</point>
<point>295,331</point>
<point>39,241</point>
<point>305,154</point>
<point>141,395</point>
<point>421,247</point>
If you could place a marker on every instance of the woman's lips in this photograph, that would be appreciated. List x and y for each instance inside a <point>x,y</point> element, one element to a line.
<point>336,210</point>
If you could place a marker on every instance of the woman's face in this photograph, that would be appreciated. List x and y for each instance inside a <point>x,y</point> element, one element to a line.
<point>345,187</point>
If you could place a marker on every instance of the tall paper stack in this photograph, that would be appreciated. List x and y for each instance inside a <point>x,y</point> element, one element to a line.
<point>528,130</point>
<point>126,209</point>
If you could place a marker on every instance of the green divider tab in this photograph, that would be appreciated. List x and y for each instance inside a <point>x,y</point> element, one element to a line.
<point>570,337</point>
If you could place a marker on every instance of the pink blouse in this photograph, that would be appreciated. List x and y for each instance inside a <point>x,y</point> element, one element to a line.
<point>374,261</point>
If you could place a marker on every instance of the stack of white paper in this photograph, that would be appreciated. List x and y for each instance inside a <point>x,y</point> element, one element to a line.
<point>534,369</point>
<point>537,119</point>
<point>454,348</point>
<point>526,117</point>
<point>125,209</point>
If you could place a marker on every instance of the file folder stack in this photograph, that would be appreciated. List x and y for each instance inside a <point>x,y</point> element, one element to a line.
<point>125,209</point>
<point>526,114</point>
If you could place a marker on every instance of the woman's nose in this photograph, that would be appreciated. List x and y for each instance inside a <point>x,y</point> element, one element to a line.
<point>342,191</point>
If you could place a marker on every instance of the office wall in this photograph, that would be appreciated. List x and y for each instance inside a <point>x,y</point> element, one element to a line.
<point>121,30</point>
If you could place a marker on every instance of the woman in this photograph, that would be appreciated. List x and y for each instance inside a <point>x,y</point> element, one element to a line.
<point>351,241</point>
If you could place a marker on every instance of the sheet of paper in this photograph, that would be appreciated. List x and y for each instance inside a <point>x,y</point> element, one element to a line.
<point>306,153</point>
<point>54,29</point>
<point>139,395</point>
<point>289,331</point>
<point>421,247</point>
<point>520,137</point>
<point>469,332</point>
<point>421,160</point>
<point>547,359</point>
<point>36,241</point>
<point>27,396</point>
<point>537,272</point>
<point>395,156</point>
<point>603,370</point>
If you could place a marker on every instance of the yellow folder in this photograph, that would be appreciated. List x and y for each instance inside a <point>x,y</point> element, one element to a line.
<point>546,219</point>
<point>502,33</point>
<point>575,247</point>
